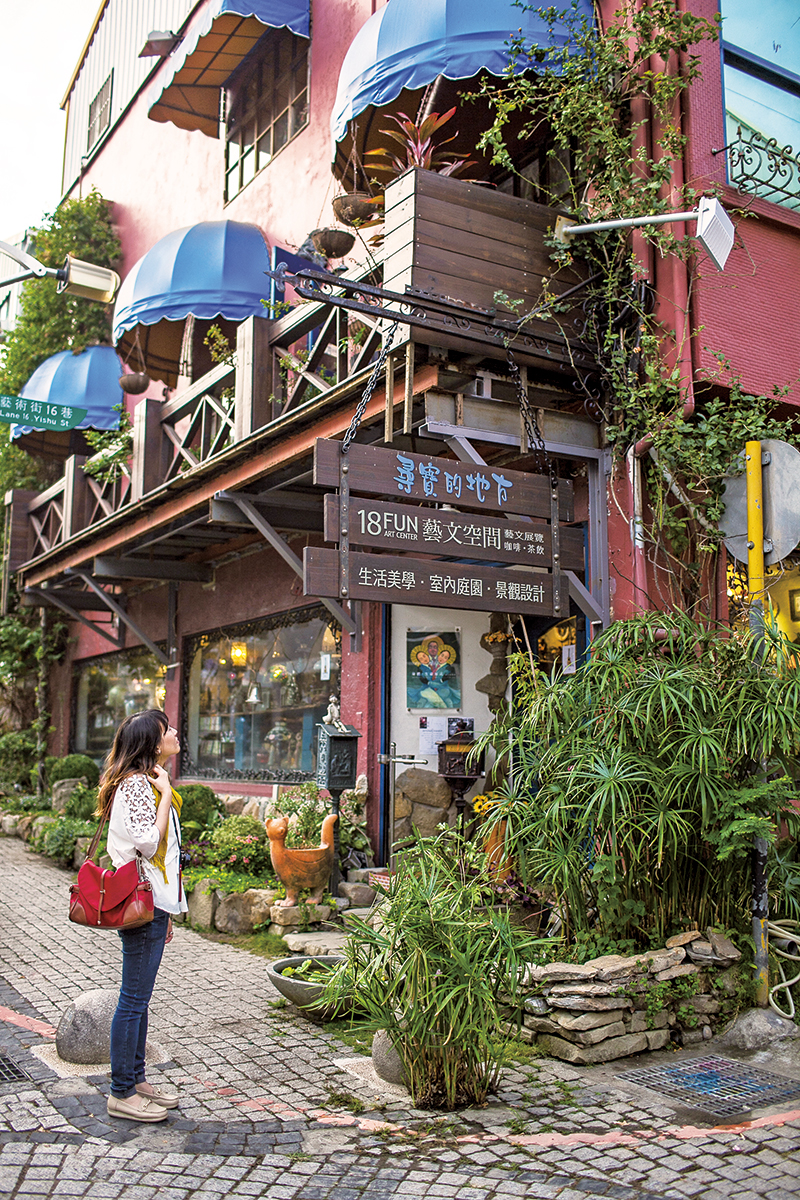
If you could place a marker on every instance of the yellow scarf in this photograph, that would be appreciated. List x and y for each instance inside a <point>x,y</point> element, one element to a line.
<point>159,858</point>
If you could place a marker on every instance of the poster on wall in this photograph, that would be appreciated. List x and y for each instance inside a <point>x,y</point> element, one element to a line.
<point>433,669</point>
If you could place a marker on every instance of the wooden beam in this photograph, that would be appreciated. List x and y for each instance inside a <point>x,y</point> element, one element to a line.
<point>144,568</point>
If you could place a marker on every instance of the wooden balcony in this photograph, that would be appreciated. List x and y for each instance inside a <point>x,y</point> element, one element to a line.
<point>442,237</point>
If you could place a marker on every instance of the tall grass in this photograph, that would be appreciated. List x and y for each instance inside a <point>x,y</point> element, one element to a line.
<point>632,795</point>
<point>433,971</point>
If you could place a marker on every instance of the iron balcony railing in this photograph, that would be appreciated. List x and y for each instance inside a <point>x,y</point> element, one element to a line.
<point>760,166</point>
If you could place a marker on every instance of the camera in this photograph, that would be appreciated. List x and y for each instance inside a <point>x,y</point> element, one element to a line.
<point>185,859</point>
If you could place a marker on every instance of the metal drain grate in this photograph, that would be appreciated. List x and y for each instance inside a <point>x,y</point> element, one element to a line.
<point>716,1085</point>
<point>10,1072</point>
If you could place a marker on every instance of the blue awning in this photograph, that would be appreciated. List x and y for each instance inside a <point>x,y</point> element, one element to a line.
<point>87,380</point>
<point>213,269</point>
<point>215,43</point>
<point>407,44</point>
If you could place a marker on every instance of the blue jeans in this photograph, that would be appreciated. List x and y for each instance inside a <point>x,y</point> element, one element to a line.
<point>142,949</point>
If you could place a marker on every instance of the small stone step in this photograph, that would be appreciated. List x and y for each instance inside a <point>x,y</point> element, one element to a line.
<point>315,943</point>
<point>363,913</point>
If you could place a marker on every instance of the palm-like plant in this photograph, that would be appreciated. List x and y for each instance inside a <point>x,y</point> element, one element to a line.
<point>631,795</point>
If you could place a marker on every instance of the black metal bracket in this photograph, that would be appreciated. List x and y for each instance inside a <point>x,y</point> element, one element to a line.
<point>428,310</point>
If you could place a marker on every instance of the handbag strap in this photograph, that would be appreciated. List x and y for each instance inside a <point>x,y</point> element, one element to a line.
<point>95,842</point>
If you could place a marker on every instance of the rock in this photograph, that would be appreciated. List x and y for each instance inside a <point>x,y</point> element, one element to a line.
<point>650,960</point>
<point>359,874</point>
<point>558,972</point>
<point>240,912</point>
<point>589,1003</point>
<point>708,1033</point>
<point>202,901</point>
<point>62,790</point>
<point>676,972</point>
<point>584,989</point>
<point>299,915</point>
<point>402,807</point>
<point>9,823</point>
<point>757,1029</point>
<point>665,960</point>
<point>426,819</point>
<point>361,913</point>
<point>423,788</point>
<point>322,942</point>
<point>723,947</point>
<point>283,931</point>
<point>683,939</point>
<point>385,1059</point>
<point>251,809</point>
<point>84,1031</point>
<point>727,980</point>
<point>536,1005</point>
<point>341,902</point>
<point>589,1020</point>
<point>541,1024</point>
<point>591,1037</point>
<point>234,805</point>
<point>24,827</point>
<point>81,850</point>
<point>360,895</point>
<point>657,1038</point>
<point>690,1037</point>
<point>639,1022</point>
<point>40,823</point>
<point>607,1051</point>
<point>705,1004</point>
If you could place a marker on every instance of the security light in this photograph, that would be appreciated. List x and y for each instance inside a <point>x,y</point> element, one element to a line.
<point>715,230</point>
<point>159,44</point>
<point>76,278</point>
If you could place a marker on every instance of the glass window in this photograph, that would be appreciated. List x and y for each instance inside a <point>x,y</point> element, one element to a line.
<point>761,76</point>
<point>254,695</point>
<point>108,689</point>
<point>266,106</point>
<point>99,114</point>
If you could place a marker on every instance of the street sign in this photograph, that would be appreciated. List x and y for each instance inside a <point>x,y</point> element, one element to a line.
<point>381,472</point>
<point>410,528</point>
<point>17,410</point>
<point>781,504</point>
<point>436,584</point>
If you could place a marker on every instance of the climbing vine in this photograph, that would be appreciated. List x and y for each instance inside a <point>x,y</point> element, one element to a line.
<point>608,108</point>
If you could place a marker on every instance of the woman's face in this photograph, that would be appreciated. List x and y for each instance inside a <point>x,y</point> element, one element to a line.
<point>169,745</point>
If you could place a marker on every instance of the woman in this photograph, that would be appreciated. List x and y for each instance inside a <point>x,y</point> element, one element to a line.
<point>136,793</point>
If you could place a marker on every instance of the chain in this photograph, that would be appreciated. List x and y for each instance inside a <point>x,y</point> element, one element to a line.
<point>530,421</point>
<point>372,383</point>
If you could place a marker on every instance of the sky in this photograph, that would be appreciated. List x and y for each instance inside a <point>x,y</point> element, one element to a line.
<point>41,43</point>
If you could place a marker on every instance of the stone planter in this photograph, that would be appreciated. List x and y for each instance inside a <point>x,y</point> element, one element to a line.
<point>298,992</point>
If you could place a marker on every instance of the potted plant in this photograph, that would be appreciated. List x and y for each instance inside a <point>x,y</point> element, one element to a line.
<point>419,146</point>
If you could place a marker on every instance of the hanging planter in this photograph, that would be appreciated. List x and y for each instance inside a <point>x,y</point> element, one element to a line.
<point>134,383</point>
<point>333,243</point>
<point>355,208</point>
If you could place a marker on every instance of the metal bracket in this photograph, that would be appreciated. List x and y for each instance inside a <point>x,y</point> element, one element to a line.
<point>119,611</point>
<point>45,598</point>
<point>276,541</point>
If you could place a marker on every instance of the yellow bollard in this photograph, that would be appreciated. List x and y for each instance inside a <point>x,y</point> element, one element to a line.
<point>756,587</point>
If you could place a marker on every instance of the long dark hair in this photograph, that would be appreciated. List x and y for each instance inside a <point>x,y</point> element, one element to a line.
<point>135,748</point>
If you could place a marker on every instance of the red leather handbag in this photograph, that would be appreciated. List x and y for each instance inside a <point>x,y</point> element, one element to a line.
<point>106,899</point>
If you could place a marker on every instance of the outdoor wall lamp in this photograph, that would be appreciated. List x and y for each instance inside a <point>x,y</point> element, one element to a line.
<point>715,230</point>
<point>76,278</point>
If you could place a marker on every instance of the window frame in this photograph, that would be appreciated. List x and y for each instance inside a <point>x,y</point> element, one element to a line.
<point>102,111</point>
<point>85,664</point>
<point>249,126</point>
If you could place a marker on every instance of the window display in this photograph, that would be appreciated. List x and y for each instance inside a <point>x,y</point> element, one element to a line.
<point>255,693</point>
<point>108,689</point>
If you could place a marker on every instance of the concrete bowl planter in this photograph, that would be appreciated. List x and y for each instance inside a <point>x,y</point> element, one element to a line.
<point>299,992</point>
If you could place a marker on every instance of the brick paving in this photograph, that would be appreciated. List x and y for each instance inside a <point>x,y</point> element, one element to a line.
<point>267,1112</point>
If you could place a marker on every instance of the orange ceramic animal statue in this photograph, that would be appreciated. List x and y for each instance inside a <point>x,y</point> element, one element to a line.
<point>300,869</point>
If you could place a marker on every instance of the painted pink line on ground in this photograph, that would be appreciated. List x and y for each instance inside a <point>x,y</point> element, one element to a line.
<point>14,1018</point>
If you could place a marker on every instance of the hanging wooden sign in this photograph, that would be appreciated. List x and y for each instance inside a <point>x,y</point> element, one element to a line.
<point>381,472</point>
<point>416,528</point>
<point>391,579</point>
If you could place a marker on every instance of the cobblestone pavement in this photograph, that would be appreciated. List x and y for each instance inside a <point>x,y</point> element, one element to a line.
<point>267,1112</point>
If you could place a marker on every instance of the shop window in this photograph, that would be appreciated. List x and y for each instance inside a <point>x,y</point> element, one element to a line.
<point>108,689</point>
<point>761,77</point>
<point>254,695</point>
<point>266,105</point>
<point>99,114</point>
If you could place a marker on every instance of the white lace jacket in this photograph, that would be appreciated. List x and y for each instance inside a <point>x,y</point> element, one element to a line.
<point>133,827</point>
